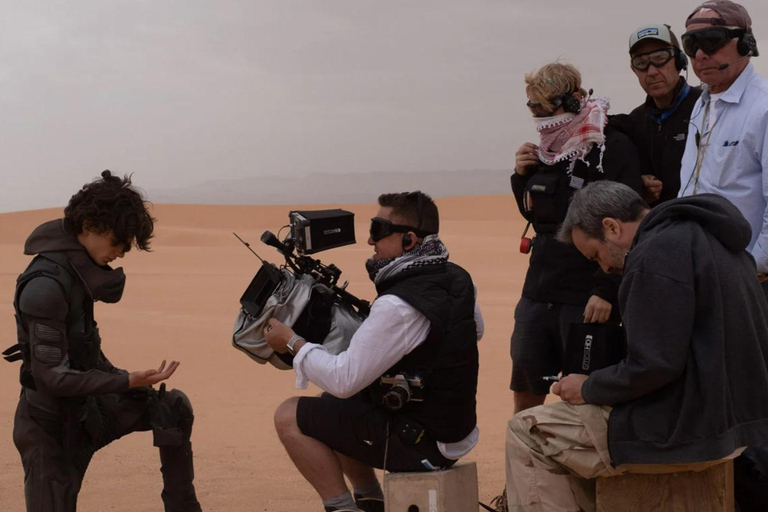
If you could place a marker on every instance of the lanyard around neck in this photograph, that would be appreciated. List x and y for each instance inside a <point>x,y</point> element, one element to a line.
<point>701,149</point>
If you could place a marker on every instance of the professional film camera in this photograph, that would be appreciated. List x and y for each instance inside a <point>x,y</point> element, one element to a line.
<point>303,293</point>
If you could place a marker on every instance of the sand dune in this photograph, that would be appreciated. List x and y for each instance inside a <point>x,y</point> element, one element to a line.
<point>181,301</point>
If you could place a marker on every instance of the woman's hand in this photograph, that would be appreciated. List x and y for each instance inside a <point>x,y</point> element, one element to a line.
<point>526,158</point>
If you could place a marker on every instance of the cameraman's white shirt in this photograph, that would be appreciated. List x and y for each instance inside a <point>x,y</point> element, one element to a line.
<point>393,329</point>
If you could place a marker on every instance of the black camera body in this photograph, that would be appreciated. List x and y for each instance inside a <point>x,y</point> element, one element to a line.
<point>400,389</point>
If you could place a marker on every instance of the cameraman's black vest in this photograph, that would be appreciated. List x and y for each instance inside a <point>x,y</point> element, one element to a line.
<point>447,361</point>
<point>84,342</point>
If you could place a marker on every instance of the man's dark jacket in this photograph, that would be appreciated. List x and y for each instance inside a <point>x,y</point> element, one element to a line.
<point>659,135</point>
<point>694,385</point>
<point>56,329</point>
<point>558,272</point>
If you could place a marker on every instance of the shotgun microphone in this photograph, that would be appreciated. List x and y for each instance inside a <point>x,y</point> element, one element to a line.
<point>723,67</point>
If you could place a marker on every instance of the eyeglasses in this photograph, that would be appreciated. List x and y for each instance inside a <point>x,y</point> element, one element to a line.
<point>656,58</point>
<point>709,40</point>
<point>382,228</point>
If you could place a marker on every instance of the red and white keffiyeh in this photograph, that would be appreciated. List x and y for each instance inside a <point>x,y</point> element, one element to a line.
<point>571,136</point>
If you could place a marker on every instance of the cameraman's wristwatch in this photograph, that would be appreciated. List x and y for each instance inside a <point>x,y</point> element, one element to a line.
<point>292,342</point>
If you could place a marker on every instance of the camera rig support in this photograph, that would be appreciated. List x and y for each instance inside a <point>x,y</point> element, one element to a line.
<point>326,274</point>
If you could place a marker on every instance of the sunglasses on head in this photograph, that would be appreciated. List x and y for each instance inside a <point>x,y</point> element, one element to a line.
<point>656,58</point>
<point>382,228</point>
<point>709,40</point>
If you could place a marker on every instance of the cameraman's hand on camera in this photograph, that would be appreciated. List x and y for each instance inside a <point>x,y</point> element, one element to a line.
<point>150,377</point>
<point>597,311</point>
<point>526,158</point>
<point>277,334</point>
<point>569,388</point>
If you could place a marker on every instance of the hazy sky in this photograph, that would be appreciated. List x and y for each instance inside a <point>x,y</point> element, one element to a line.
<point>184,91</point>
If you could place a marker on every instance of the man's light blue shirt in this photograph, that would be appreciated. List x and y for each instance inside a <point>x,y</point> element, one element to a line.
<point>735,160</point>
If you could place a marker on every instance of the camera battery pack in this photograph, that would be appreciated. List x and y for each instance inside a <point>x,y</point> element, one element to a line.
<point>318,230</point>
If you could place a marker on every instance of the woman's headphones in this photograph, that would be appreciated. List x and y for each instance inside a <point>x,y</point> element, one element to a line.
<point>570,103</point>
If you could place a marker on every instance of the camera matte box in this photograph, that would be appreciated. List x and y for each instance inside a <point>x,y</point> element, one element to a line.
<point>318,230</point>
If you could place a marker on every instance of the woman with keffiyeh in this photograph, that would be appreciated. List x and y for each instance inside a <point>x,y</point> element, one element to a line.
<point>576,146</point>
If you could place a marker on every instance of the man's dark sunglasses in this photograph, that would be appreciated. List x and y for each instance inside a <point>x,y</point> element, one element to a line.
<point>656,58</point>
<point>709,40</point>
<point>382,228</point>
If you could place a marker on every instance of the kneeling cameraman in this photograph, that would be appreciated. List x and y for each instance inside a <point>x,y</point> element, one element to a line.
<point>402,397</point>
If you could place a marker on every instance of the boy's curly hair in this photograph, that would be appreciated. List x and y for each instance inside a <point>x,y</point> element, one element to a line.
<point>111,204</point>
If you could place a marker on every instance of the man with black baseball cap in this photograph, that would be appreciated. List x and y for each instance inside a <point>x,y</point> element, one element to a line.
<point>659,126</point>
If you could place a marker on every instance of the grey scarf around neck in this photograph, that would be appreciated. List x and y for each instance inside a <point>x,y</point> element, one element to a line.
<point>431,251</point>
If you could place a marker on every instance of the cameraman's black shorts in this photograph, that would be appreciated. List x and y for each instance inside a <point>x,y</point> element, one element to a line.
<point>358,429</point>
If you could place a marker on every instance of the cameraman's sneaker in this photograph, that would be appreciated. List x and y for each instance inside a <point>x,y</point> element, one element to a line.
<point>334,509</point>
<point>369,504</point>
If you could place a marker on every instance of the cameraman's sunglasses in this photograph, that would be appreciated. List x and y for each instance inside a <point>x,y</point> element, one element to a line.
<point>656,58</point>
<point>709,40</point>
<point>382,228</point>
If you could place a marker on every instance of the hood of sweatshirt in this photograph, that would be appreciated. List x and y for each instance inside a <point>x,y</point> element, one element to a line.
<point>712,212</point>
<point>103,282</point>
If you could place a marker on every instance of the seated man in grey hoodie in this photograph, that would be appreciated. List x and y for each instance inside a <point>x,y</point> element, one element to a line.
<point>693,388</point>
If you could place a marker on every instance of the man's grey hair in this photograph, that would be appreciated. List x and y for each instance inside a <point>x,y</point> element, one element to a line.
<point>598,200</point>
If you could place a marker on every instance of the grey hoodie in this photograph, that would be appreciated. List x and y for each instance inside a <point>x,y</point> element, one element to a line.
<point>694,385</point>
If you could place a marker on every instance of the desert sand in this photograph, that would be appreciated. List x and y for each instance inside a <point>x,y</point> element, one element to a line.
<point>180,302</point>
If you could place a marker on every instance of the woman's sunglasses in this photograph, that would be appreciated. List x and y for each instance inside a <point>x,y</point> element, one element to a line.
<point>539,110</point>
<point>656,58</point>
<point>709,40</point>
<point>382,228</point>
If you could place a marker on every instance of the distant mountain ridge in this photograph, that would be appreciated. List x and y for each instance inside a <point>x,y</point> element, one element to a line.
<point>335,188</point>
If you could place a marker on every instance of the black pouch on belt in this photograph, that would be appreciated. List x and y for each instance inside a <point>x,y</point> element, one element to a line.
<point>590,347</point>
<point>408,430</point>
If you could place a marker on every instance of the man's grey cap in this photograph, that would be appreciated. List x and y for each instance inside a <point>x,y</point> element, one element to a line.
<point>657,31</point>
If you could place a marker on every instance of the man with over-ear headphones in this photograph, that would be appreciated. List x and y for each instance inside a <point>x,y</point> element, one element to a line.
<point>402,397</point>
<point>728,133</point>
<point>659,126</point>
<point>727,154</point>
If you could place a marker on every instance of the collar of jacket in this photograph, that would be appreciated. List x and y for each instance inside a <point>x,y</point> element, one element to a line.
<point>659,115</point>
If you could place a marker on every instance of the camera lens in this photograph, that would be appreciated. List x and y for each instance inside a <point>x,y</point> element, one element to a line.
<point>396,398</point>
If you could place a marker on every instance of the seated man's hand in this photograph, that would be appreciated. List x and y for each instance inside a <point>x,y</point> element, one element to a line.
<point>150,377</point>
<point>651,188</point>
<point>277,335</point>
<point>597,311</point>
<point>569,388</point>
